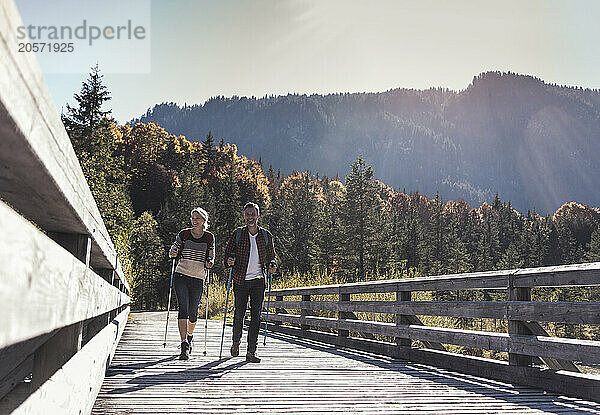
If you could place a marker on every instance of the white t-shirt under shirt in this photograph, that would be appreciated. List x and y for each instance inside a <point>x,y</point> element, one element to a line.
<point>254,270</point>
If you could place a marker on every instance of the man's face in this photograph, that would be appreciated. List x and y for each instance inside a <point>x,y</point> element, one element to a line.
<point>250,216</point>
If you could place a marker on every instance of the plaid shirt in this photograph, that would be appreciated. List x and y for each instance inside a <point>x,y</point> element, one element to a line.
<point>242,252</point>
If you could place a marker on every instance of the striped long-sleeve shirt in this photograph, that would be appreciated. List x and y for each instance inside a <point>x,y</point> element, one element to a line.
<point>194,252</point>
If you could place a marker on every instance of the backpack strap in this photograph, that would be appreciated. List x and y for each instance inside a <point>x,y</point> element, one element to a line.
<point>186,234</point>
<point>238,236</point>
<point>265,235</point>
<point>263,231</point>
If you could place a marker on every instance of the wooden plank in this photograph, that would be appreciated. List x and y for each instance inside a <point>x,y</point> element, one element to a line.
<point>342,315</point>
<point>51,284</point>
<point>402,297</point>
<point>305,312</point>
<point>585,386</point>
<point>556,364</point>
<point>54,353</point>
<point>585,351</point>
<point>302,375</point>
<point>574,275</point>
<point>516,326</point>
<point>16,375</point>
<point>415,321</point>
<point>560,312</point>
<point>81,376</point>
<point>556,276</point>
<point>12,356</point>
<point>41,176</point>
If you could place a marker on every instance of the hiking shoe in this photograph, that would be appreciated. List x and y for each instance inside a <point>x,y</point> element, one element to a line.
<point>235,349</point>
<point>251,358</point>
<point>185,353</point>
<point>189,340</point>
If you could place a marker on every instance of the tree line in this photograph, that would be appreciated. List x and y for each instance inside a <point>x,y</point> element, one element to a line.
<point>146,180</point>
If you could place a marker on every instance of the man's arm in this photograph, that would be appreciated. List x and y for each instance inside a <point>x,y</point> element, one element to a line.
<point>229,249</point>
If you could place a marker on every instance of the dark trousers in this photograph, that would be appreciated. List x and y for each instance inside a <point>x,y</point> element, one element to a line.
<point>255,290</point>
<point>188,291</point>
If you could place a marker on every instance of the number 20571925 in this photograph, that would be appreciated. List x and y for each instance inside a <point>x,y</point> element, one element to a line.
<point>46,47</point>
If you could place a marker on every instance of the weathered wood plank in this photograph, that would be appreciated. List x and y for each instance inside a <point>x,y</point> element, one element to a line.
<point>299,375</point>
<point>586,386</point>
<point>74,387</point>
<point>14,355</point>
<point>556,276</point>
<point>556,364</point>
<point>559,312</point>
<point>52,284</point>
<point>16,374</point>
<point>40,174</point>
<point>568,349</point>
<point>516,326</point>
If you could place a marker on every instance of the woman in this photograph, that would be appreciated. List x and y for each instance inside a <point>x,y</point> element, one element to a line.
<point>195,247</point>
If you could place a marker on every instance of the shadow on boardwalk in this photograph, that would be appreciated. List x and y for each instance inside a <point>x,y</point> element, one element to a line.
<point>208,371</point>
<point>546,402</point>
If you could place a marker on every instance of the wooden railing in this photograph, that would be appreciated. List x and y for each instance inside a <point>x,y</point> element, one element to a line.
<point>63,294</point>
<point>534,357</point>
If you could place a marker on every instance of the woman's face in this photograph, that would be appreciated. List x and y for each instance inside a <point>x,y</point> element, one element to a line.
<point>197,221</point>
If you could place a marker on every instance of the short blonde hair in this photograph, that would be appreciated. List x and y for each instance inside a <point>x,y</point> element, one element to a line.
<point>202,213</point>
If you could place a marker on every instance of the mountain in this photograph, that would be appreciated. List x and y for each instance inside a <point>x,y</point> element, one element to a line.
<point>531,142</point>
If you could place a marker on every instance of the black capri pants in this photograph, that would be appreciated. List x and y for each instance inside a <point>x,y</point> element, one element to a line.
<point>189,292</point>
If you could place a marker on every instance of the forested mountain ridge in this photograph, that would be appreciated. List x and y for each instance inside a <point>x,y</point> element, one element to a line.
<point>145,181</point>
<point>533,143</point>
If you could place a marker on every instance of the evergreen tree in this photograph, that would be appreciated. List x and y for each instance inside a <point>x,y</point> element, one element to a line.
<point>81,120</point>
<point>593,254</point>
<point>359,209</point>
<point>149,282</point>
<point>96,140</point>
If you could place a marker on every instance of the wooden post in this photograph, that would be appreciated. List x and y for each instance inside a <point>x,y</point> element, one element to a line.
<point>93,326</point>
<point>78,244</point>
<point>53,354</point>
<point>402,319</point>
<point>106,274</point>
<point>305,312</point>
<point>342,315</point>
<point>278,310</point>
<point>517,326</point>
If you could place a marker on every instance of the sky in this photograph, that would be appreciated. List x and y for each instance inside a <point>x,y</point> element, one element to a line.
<point>196,49</point>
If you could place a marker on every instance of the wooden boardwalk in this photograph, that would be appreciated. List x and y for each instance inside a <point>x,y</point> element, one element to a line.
<point>295,376</point>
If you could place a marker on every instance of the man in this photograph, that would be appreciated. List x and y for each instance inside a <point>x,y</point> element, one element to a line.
<point>249,251</point>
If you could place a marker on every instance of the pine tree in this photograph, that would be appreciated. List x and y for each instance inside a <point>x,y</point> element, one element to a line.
<point>83,119</point>
<point>359,208</point>
<point>149,283</point>
<point>96,140</point>
<point>593,253</point>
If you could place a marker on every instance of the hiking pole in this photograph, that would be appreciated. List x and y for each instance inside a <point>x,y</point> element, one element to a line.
<point>206,315</point>
<point>268,301</point>
<point>169,302</point>
<point>225,317</point>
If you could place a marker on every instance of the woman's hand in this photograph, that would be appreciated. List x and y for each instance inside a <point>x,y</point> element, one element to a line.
<point>172,253</point>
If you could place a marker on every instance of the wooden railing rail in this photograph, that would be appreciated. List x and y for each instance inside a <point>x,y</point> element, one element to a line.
<point>64,296</point>
<point>534,357</point>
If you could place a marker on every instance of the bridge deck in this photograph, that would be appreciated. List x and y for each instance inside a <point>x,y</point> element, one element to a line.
<point>295,376</point>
